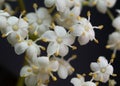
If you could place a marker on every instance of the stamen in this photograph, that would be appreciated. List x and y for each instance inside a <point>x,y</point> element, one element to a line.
<point>79,76</point>
<point>35,6</point>
<point>114,75</point>
<point>52,25</point>
<point>23,13</point>
<point>35,33</point>
<point>19,38</point>
<point>88,14</point>
<point>29,70</point>
<point>96,41</point>
<point>73,47</point>
<point>53,77</point>
<point>25,18</point>
<point>97,83</point>
<point>72,58</point>
<point>5,35</point>
<point>43,48</point>
<point>78,18</point>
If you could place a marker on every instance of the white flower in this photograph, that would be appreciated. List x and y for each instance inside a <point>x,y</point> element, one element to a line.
<point>17,27</point>
<point>80,81</point>
<point>102,69</point>
<point>114,42</point>
<point>84,30</point>
<point>102,5</point>
<point>65,68</point>
<point>69,17</point>
<point>39,21</point>
<point>59,41</point>
<point>32,50</point>
<point>38,73</point>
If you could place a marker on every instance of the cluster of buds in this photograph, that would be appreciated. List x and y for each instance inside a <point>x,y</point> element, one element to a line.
<point>59,30</point>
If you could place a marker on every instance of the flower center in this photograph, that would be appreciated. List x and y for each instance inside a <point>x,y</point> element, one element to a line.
<point>103,70</point>
<point>39,21</point>
<point>15,27</point>
<point>59,40</point>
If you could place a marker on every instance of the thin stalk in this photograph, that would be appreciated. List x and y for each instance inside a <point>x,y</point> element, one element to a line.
<point>109,13</point>
<point>21,5</point>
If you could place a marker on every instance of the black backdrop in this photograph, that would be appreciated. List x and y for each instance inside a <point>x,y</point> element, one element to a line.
<point>10,63</point>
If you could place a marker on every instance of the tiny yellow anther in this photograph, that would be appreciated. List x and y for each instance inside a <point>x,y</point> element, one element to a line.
<point>114,75</point>
<point>107,46</point>
<point>72,69</point>
<point>113,56</point>
<point>35,6</point>
<point>29,70</point>
<point>88,13</point>
<point>25,18</point>
<point>74,47</point>
<point>100,27</point>
<point>96,41</point>
<point>71,29</point>
<point>43,48</point>
<point>78,18</point>
<point>54,78</point>
<point>79,76</point>
<point>97,83</point>
<point>4,35</point>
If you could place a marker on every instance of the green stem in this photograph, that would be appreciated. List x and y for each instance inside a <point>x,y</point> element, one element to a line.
<point>110,14</point>
<point>21,5</point>
<point>20,81</point>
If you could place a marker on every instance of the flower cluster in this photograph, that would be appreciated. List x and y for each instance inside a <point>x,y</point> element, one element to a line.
<point>59,30</point>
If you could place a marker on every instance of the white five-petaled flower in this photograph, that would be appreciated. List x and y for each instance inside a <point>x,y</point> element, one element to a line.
<point>32,49</point>
<point>59,41</point>
<point>69,17</point>
<point>84,30</point>
<point>16,29</point>
<point>65,68</point>
<point>39,21</point>
<point>114,42</point>
<point>80,81</point>
<point>38,73</point>
<point>102,5</point>
<point>102,69</point>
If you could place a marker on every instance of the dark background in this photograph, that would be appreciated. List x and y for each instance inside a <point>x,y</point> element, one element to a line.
<point>10,63</point>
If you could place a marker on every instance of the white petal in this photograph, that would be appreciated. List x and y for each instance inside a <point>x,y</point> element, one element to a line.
<point>102,6</point>
<point>31,17</point>
<point>31,81</point>
<point>20,47</point>
<point>43,61</point>
<point>116,23</point>
<point>23,24</point>
<point>102,61</point>
<point>60,5</point>
<point>52,48</point>
<point>109,69</point>
<point>76,10</point>
<point>94,66</point>
<point>42,13</point>
<point>3,13</point>
<point>62,72</point>
<point>68,39</point>
<point>25,71</point>
<point>12,20</point>
<point>105,78</point>
<point>60,31</point>
<point>54,65</point>
<point>84,39</point>
<point>32,51</point>
<point>49,35</point>
<point>63,50</point>
<point>76,81</point>
<point>49,3</point>
<point>3,22</point>
<point>77,30</point>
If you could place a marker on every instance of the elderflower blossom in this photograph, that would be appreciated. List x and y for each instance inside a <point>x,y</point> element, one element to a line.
<point>32,49</point>
<point>80,81</point>
<point>39,21</point>
<point>102,5</point>
<point>84,30</point>
<point>16,29</point>
<point>65,68</point>
<point>114,42</point>
<point>69,17</point>
<point>38,73</point>
<point>102,70</point>
<point>59,40</point>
